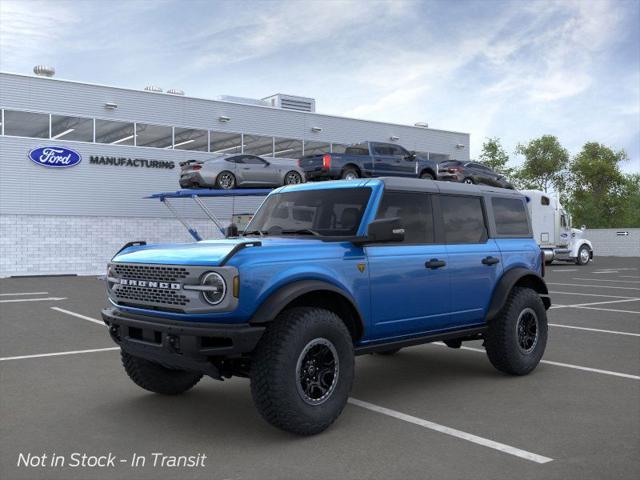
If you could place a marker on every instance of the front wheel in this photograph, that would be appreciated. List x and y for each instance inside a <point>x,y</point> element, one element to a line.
<point>584,255</point>
<point>292,178</point>
<point>157,378</point>
<point>225,180</point>
<point>302,370</point>
<point>517,336</point>
<point>427,176</point>
<point>468,181</point>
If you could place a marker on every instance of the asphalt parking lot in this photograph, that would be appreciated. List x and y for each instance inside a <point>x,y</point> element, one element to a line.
<point>428,412</point>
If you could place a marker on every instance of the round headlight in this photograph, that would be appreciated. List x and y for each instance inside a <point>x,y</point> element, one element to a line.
<point>216,290</point>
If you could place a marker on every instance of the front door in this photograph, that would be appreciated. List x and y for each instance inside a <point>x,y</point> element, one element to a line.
<point>409,281</point>
<point>383,159</point>
<point>474,260</point>
<point>256,171</point>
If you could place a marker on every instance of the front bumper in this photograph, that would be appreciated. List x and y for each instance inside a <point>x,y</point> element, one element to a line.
<point>184,345</point>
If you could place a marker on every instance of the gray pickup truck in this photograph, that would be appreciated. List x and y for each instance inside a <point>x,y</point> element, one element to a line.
<point>368,159</point>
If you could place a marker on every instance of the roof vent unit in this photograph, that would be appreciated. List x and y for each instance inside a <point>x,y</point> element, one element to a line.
<point>292,102</point>
<point>44,71</point>
<point>175,91</point>
<point>153,88</point>
<point>243,100</point>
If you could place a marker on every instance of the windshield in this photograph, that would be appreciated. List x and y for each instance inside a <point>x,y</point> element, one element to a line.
<point>326,212</point>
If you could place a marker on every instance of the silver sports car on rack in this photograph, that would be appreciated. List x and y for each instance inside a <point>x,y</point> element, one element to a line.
<point>240,170</point>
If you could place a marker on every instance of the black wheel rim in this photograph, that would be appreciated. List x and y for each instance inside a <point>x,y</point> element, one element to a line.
<point>317,371</point>
<point>527,330</point>
<point>226,181</point>
<point>293,178</point>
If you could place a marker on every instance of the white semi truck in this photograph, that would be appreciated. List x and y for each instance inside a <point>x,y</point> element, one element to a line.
<point>553,232</point>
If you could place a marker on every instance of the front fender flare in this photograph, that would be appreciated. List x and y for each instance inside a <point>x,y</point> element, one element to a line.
<point>282,297</point>
<point>508,281</point>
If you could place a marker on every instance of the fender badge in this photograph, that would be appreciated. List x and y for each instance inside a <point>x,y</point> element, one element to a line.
<point>361,267</point>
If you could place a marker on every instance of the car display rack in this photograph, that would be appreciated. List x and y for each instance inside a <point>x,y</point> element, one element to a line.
<point>196,195</point>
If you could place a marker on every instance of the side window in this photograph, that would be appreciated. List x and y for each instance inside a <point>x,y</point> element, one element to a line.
<point>544,200</point>
<point>563,221</point>
<point>398,151</point>
<point>511,216</point>
<point>252,160</point>
<point>414,211</point>
<point>235,159</point>
<point>382,150</point>
<point>463,219</point>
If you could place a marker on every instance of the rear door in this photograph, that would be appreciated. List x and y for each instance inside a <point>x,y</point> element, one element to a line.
<point>407,296</point>
<point>383,159</point>
<point>474,259</point>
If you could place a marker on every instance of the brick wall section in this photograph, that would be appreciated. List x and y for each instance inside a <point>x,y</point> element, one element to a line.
<point>46,245</point>
<point>606,242</point>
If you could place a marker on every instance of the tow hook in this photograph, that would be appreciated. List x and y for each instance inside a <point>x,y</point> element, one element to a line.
<point>114,331</point>
<point>174,343</point>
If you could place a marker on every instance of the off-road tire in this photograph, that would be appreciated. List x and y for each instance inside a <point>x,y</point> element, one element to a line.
<point>156,378</point>
<point>350,173</point>
<point>219,179</point>
<point>389,352</point>
<point>274,377</point>
<point>501,340</point>
<point>579,260</point>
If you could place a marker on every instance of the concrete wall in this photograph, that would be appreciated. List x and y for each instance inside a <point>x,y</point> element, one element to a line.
<point>607,242</point>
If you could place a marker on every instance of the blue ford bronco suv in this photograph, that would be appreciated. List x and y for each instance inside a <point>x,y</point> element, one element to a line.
<point>324,272</point>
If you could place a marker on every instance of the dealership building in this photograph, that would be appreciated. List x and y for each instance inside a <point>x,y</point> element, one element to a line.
<point>129,144</point>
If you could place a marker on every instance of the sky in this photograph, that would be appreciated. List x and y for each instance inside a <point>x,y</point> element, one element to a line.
<point>510,69</point>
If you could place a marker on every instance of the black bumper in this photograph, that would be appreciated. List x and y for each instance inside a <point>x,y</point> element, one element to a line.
<point>185,345</point>
<point>321,174</point>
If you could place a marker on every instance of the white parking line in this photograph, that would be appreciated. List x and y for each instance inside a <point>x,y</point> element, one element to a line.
<point>592,303</point>
<point>606,271</point>
<point>451,431</point>
<point>562,270</point>
<point>73,314</point>
<point>611,310</point>
<point>595,286</point>
<point>613,281</point>
<point>587,294</point>
<point>629,276</point>
<point>22,293</point>
<point>598,330</point>
<point>558,364</point>
<point>48,299</point>
<point>56,354</point>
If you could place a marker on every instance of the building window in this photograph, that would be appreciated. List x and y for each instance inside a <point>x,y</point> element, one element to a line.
<point>191,139</point>
<point>226,143</point>
<point>287,148</point>
<point>71,128</point>
<point>115,133</point>
<point>156,136</point>
<point>258,145</point>
<point>26,124</point>
<point>316,148</point>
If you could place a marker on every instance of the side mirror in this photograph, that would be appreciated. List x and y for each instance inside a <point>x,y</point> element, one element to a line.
<point>583,227</point>
<point>411,156</point>
<point>384,230</point>
<point>232,231</point>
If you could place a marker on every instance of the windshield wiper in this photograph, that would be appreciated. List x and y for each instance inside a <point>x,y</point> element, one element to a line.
<point>262,233</point>
<point>302,231</point>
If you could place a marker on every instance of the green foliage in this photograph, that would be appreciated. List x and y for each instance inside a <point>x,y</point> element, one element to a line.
<point>599,194</point>
<point>494,156</point>
<point>544,165</point>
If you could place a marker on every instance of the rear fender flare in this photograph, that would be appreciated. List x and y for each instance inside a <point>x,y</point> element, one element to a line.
<point>511,278</point>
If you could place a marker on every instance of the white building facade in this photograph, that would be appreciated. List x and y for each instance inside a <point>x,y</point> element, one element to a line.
<point>130,142</point>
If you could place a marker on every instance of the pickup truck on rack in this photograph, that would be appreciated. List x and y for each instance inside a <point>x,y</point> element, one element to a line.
<point>326,271</point>
<point>368,159</point>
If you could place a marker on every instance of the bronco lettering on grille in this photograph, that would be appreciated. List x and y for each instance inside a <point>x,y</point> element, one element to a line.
<point>149,284</point>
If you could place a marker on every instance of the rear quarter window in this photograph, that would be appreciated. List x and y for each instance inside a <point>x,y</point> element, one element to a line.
<point>511,217</point>
<point>463,219</point>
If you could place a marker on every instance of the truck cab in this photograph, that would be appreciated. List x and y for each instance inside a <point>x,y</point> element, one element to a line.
<point>552,228</point>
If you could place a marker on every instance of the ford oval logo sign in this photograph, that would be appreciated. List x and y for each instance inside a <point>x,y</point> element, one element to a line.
<point>55,157</point>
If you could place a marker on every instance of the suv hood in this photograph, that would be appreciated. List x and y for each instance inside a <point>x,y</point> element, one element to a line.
<point>206,253</point>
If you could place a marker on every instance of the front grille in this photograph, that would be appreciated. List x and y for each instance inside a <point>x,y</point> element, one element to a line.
<point>152,295</point>
<point>154,273</point>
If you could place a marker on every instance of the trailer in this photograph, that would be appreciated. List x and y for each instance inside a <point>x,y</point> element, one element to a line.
<point>553,231</point>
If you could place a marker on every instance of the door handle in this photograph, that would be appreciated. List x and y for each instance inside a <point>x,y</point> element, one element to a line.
<point>490,260</point>
<point>435,263</point>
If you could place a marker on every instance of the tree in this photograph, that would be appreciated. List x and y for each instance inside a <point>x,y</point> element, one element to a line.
<point>494,156</point>
<point>544,165</point>
<point>600,195</point>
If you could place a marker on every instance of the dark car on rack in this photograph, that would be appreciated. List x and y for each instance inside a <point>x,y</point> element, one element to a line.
<point>472,173</point>
<point>369,159</point>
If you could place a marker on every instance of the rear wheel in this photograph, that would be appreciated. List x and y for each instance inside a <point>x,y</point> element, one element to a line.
<point>302,370</point>
<point>225,180</point>
<point>350,173</point>
<point>156,378</point>
<point>517,336</point>
<point>468,181</point>
<point>292,178</point>
<point>584,255</point>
